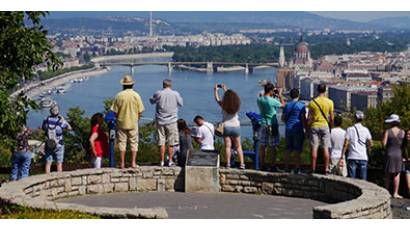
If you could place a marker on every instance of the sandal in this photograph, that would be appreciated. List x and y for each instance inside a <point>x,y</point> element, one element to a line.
<point>397,196</point>
<point>242,166</point>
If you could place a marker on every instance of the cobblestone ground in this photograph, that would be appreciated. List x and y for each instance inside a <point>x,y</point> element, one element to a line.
<point>206,205</point>
<point>399,208</point>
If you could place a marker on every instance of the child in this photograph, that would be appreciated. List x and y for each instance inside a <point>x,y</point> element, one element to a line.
<point>337,161</point>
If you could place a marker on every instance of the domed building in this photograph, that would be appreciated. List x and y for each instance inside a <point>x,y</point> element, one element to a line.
<point>302,60</point>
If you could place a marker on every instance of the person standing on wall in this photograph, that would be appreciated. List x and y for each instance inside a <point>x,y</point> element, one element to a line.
<point>167,102</point>
<point>320,121</point>
<point>128,107</point>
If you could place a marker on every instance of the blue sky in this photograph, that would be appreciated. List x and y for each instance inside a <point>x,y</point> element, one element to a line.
<point>363,16</point>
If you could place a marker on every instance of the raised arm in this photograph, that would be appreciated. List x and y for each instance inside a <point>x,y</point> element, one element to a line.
<point>216,94</point>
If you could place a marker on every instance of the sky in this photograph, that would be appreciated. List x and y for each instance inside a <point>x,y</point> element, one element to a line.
<point>362,16</point>
<point>359,16</point>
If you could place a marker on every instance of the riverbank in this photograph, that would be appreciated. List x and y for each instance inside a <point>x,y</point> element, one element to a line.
<point>35,89</point>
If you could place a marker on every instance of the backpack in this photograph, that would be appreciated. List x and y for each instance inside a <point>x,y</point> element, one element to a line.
<point>51,135</point>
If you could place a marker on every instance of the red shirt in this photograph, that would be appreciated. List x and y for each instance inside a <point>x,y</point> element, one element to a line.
<point>101,143</point>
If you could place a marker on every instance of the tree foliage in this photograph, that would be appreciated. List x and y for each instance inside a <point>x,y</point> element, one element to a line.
<point>23,45</point>
<point>399,104</point>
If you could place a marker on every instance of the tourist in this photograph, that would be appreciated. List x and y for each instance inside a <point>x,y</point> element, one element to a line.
<point>406,155</point>
<point>231,132</point>
<point>337,159</point>
<point>21,157</point>
<point>204,134</point>
<point>358,141</point>
<point>269,132</point>
<point>262,84</point>
<point>98,140</point>
<point>294,116</point>
<point>185,142</point>
<point>392,142</point>
<point>54,125</point>
<point>167,102</point>
<point>320,119</point>
<point>128,107</point>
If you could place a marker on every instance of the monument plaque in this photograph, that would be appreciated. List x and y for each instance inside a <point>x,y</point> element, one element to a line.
<point>201,172</point>
<point>200,158</point>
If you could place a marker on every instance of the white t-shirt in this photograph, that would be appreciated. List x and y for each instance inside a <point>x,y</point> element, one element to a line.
<point>358,148</point>
<point>337,137</point>
<point>206,132</point>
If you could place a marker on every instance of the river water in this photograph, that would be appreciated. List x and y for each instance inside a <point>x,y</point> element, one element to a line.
<point>195,88</point>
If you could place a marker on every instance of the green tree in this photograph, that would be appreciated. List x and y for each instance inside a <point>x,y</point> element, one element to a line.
<point>23,45</point>
<point>399,104</point>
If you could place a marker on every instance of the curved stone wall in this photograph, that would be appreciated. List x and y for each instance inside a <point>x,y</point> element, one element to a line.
<point>39,191</point>
<point>348,198</point>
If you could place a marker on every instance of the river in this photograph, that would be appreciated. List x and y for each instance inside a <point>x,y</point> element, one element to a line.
<point>195,88</point>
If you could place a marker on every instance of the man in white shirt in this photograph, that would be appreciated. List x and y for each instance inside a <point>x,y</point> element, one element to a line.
<point>359,141</point>
<point>205,134</point>
<point>337,164</point>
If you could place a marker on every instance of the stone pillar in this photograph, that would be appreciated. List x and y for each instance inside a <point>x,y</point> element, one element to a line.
<point>131,70</point>
<point>210,67</point>
<point>169,67</point>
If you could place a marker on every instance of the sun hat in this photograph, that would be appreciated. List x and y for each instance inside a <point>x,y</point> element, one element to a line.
<point>392,118</point>
<point>359,115</point>
<point>127,80</point>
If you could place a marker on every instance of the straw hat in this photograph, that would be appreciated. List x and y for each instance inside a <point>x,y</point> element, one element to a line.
<point>393,118</point>
<point>127,80</point>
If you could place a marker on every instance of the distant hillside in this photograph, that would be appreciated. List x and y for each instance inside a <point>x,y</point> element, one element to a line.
<point>108,24</point>
<point>395,22</point>
<point>274,18</point>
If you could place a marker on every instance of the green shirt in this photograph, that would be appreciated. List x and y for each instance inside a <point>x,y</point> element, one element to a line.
<point>268,107</point>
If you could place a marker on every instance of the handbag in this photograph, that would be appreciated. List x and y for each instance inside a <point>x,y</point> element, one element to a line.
<point>219,129</point>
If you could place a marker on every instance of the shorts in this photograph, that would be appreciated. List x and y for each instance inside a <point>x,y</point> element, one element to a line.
<point>320,137</point>
<point>168,134</point>
<point>266,138</point>
<point>294,141</point>
<point>232,131</point>
<point>125,136</point>
<point>55,155</point>
<point>335,169</point>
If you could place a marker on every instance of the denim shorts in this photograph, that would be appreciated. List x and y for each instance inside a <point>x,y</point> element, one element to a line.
<point>55,155</point>
<point>232,131</point>
<point>294,141</point>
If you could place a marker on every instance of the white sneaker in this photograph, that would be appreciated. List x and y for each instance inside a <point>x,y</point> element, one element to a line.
<point>162,164</point>
<point>171,164</point>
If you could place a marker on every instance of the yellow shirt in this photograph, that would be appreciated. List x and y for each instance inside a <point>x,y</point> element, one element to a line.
<point>127,105</point>
<point>316,118</point>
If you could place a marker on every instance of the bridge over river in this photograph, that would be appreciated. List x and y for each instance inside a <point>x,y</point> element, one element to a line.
<point>209,67</point>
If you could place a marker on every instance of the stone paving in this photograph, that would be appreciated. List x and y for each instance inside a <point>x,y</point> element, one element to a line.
<point>399,208</point>
<point>206,205</point>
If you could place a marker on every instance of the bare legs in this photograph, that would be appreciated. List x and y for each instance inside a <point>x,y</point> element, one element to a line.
<point>326,159</point>
<point>48,167</point>
<point>228,145</point>
<point>162,152</point>
<point>396,183</point>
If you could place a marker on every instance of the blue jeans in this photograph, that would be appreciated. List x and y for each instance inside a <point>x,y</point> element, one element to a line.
<point>20,165</point>
<point>357,169</point>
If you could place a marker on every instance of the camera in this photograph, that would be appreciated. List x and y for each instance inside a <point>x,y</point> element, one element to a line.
<point>219,86</point>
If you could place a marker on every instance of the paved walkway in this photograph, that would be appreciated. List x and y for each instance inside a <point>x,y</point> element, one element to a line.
<point>399,208</point>
<point>206,205</point>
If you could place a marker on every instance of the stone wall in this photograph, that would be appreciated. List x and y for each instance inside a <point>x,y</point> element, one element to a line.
<point>348,198</point>
<point>39,191</point>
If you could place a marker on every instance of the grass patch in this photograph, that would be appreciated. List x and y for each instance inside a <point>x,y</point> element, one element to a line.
<point>18,212</point>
